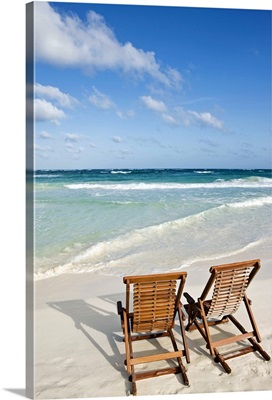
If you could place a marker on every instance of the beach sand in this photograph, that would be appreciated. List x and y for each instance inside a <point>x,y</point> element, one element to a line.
<point>79,352</point>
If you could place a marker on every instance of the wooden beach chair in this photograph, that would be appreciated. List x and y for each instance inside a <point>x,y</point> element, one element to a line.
<point>229,283</point>
<point>156,301</point>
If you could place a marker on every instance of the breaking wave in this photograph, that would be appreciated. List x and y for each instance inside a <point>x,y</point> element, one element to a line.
<point>253,182</point>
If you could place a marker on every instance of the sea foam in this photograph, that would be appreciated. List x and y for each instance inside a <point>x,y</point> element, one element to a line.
<point>219,184</point>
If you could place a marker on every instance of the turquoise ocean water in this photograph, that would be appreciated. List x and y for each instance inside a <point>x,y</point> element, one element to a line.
<point>118,222</point>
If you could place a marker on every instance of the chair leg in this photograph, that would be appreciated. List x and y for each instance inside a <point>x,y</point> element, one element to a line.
<point>258,348</point>
<point>128,344</point>
<point>181,366</point>
<point>133,380</point>
<point>252,319</point>
<point>184,339</point>
<point>206,328</point>
<point>129,353</point>
<point>127,338</point>
<point>134,389</point>
<point>220,359</point>
<point>255,345</point>
<point>133,376</point>
<point>183,372</point>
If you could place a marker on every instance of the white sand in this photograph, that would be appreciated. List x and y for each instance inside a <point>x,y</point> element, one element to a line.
<point>79,350</point>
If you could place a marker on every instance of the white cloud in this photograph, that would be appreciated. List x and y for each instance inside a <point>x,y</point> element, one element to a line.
<point>54,93</point>
<point>46,111</point>
<point>142,141</point>
<point>125,114</point>
<point>126,152</point>
<point>101,100</point>
<point>116,139</point>
<point>160,107</point>
<point>43,148</point>
<point>71,137</point>
<point>169,119</point>
<point>42,151</point>
<point>181,116</point>
<point>104,102</point>
<point>47,102</point>
<point>203,119</point>
<point>209,143</point>
<point>152,104</point>
<point>206,119</point>
<point>65,40</point>
<point>73,150</point>
<point>45,135</point>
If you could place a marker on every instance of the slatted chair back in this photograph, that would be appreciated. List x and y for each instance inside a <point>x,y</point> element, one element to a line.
<point>230,284</point>
<point>155,300</point>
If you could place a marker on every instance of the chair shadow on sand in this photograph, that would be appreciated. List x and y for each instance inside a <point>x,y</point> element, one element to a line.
<point>99,319</point>
<point>107,322</point>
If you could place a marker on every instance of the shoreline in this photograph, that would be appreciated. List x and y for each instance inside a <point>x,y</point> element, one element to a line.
<point>79,352</point>
<point>250,251</point>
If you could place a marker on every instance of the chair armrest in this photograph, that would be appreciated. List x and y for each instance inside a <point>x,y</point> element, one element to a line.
<point>189,298</point>
<point>119,308</point>
<point>181,312</point>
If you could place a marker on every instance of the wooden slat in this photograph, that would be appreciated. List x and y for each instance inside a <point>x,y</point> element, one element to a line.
<point>153,306</point>
<point>233,339</point>
<point>159,293</point>
<point>230,292</point>
<point>225,303</point>
<point>144,306</point>
<point>152,321</point>
<point>229,300</point>
<point>149,295</point>
<point>232,282</point>
<point>156,357</point>
<point>245,350</point>
<point>154,298</point>
<point>152,325</point>
<point>152,311</point>
<point>156,315</point>
<point>230,271</point>
<point>156,277</point>
<point>147,291</point>
<point>238,265</point>
<point>232,278</point>
<point>149,336</point>
<point>228,286</point>
<point>156,373</point>
<point>151,284</point>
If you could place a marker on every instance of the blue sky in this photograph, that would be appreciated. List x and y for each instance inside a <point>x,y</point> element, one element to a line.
<point>123,86</point>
